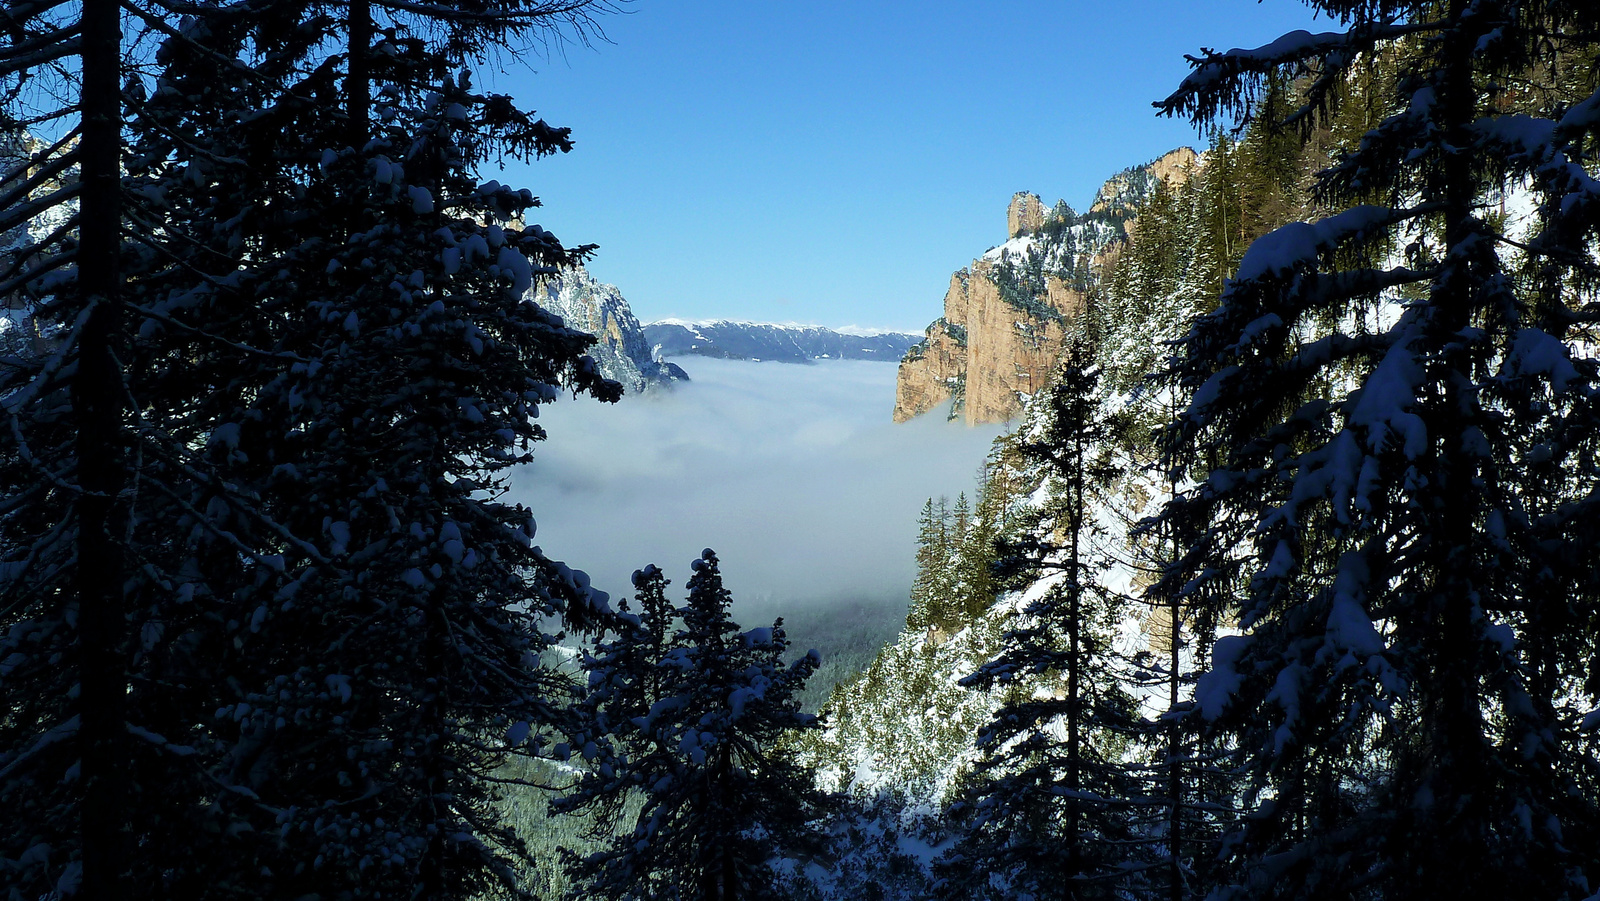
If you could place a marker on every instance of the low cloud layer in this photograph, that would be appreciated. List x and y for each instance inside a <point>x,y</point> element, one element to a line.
<point>794,474</point>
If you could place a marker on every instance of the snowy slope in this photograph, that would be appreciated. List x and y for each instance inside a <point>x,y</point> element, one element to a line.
<point>907,729</point>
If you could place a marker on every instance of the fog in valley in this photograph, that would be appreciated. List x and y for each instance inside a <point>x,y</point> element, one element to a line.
<point>793,474</point>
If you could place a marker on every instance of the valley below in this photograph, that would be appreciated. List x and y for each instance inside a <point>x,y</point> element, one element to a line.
<point>793,473</point>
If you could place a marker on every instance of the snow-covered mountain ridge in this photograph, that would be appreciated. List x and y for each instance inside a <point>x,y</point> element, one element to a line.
<point>788,342</point>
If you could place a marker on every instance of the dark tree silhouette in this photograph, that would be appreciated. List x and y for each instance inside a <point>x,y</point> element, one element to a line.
<point>1390,424</point>
<point>698,728</point>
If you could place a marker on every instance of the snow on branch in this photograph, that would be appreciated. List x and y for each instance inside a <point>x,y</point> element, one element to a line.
<point>1549,151</point>
<point>1383,406</point>
<point>51,736</point>
<point>1279,253</point>
<point>20,273</point>
<point>1537,354</point>
<point>1230,81</point>
<point>1581,118</point>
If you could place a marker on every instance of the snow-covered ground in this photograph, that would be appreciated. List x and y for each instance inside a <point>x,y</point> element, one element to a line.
<point>794,474</point>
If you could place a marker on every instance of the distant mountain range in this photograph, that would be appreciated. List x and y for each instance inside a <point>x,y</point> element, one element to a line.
<point>785,343</point>
<point>636,355</point>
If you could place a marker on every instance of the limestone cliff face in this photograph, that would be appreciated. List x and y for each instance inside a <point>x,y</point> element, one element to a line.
<point>936,370</point>
<point>984,353</point>
<point>622,352</point>
<point>1131,187</point>
<point>1007,316</point>
<point>1025,216</point>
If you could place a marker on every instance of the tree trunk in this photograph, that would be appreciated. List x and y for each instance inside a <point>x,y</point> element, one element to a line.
<point>1075,666</point>
<point>1456,733</point>
<point>720,876</point>
<point>1174,767</point>
<point>1174,733</point>
<point>97,407</point>
<point>435,747</point>
<point>358,85</point>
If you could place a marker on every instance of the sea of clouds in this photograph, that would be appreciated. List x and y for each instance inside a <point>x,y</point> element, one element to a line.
<point>794,474</point>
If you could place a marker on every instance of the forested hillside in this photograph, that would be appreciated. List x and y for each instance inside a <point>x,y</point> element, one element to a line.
<point>1084,690</point>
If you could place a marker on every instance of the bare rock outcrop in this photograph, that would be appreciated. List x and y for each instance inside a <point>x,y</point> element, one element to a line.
<point>1025,216</point>
<point>1175,166</point>
<point>1131,187</point>
<point>984,353</point>
<point>1006,317</point>
<point>620,351</point>
<point>935,371</point>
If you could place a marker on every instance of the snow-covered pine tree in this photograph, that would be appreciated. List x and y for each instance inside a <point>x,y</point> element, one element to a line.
<point>74,777</point>
<point>943,579</point>
<point>288,699</point>
<point>1390,426</point>
<point>387,680</point>
<point>932,552</point>
<point>722,796</point>
<point>202,175</point>
<point>186,529</point>
<point>1053,805</point>
<point>975,556</point>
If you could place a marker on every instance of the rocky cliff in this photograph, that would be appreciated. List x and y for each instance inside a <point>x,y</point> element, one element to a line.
<point>1025,215</point>
<point>622,352</point>
<point>1131,187</point>
<point>730,340</point>
<point>1006,315</point>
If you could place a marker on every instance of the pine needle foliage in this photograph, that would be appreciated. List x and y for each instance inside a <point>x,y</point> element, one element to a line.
<point>695,726</point>
<point>1389,435</point>
<point>268,625</point>
<point>1050,807</point>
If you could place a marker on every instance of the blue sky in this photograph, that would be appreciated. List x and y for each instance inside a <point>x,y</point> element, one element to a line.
<point>832,162</point>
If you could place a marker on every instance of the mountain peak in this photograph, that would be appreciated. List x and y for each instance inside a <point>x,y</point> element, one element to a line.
<point>1025,215</point>
<point>621,351</point>
<point>1130,187</point>
<point>1005,316</point>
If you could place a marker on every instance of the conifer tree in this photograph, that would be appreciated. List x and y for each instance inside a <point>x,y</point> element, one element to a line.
<point>1390,454</point>
<point>1156,261</point>
<point>973,554</point>
<point>938,590</point>
<point>327,631</point>
<point>960,520</point>
<point>75,772</point>
<point>396,663</point>
<point>722,796</point>
<point>1272,161</point>
<point>929,587</point>
<point>1052,810</point>
<point>1221,211</point>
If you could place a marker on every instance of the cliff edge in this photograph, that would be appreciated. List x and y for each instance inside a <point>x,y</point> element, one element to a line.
<point>1007,315</point>
<point>622,352</point>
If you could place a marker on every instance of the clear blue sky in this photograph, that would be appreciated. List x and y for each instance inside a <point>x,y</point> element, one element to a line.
<point>834,162</point>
